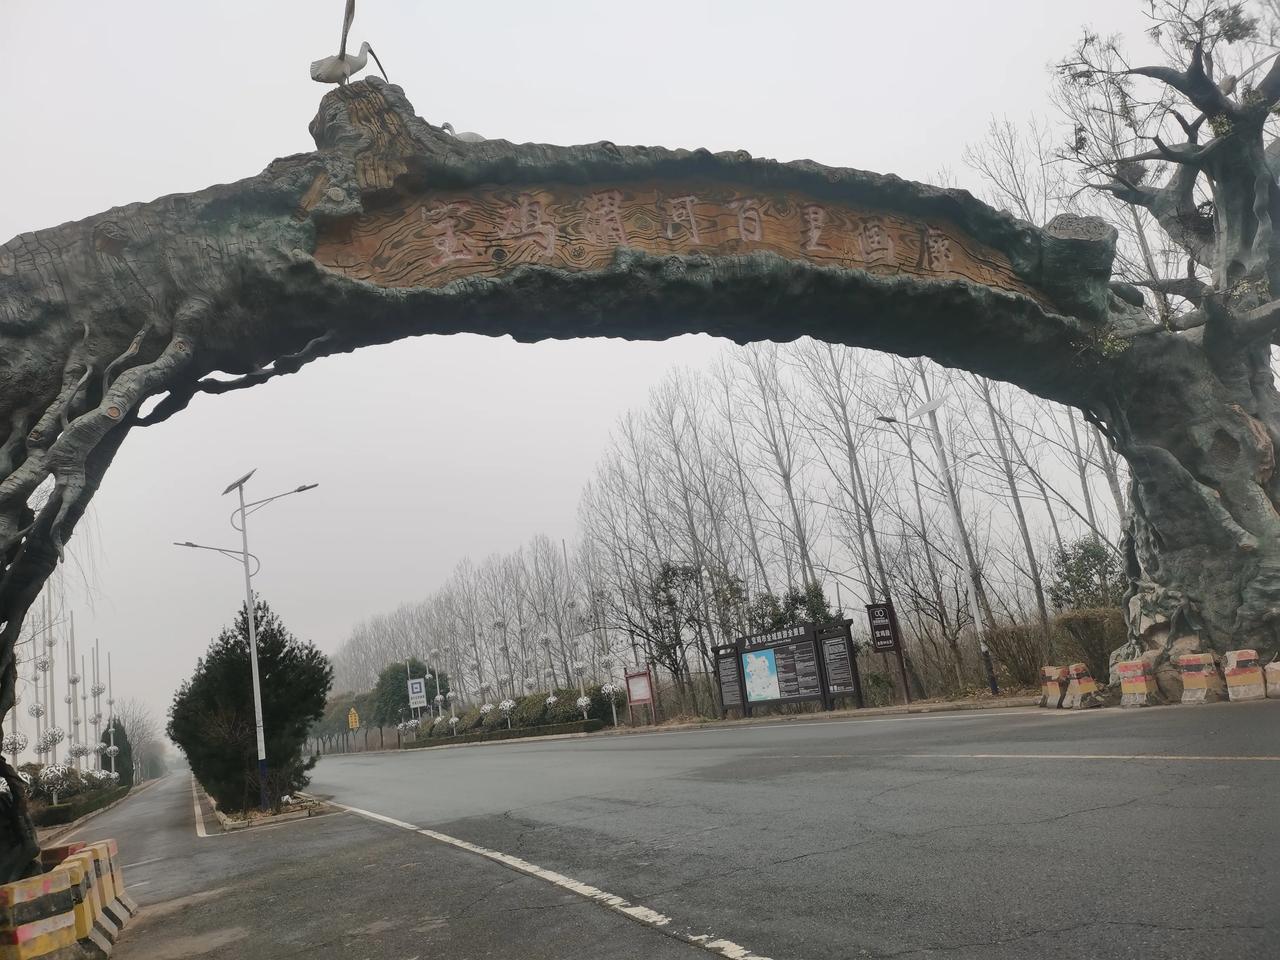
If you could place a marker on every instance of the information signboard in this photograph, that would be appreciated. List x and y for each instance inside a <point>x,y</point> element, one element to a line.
<point>839,661</point>
<point>729,676</point>
<point>639,688</point>
<point>417,691</point>
<point>781,666</point>
<point>640,693</point>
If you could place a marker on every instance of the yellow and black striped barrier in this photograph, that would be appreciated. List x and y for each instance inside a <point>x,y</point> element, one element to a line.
<point>74,911</point>
<point>37,918</point>
<point>94,928</point>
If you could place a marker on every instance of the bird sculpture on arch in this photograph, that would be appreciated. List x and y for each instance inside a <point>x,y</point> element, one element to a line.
<point>344,66</point>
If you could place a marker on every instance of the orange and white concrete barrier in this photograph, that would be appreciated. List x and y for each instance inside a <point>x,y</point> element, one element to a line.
<point>1137,684</point>
<point>1271,673</point>
<point>37,918</point>
<point>1080,684</point>
<point>1201,682</point>
<point>1244,676</point>
<point>50,857</point>
<point>1053,686</point>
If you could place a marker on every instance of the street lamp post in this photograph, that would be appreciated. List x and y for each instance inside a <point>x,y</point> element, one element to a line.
<point>112,749</point>
<point>243,553</point>
<point>957,520</point>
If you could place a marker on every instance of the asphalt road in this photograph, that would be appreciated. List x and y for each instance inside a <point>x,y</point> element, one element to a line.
<point>337,887</point>
<point>1142,833</point>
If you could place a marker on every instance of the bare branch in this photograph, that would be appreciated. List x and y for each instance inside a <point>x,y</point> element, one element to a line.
<point>1189,288</point>
<point>1193,83</point>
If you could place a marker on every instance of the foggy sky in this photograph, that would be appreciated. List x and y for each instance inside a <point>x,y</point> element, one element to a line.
<point>435,448</point>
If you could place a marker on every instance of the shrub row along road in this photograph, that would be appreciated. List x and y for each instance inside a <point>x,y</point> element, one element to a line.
<point>986,835</point>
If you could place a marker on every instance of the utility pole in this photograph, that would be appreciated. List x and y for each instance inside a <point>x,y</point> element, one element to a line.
<point>244,556</point>
<point>957,520</point>
<point>112,750</point>
<point>238,486</point>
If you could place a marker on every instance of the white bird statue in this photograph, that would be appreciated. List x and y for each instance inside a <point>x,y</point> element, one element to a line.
<point>465,136</point>
<point>339,69</point>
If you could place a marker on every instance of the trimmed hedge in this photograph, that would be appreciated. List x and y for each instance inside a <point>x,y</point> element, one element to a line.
<point>468,720</point>
<point>530,711</point>
<point>581,726</point>
<point>564,710</point>
<point>57,814</point>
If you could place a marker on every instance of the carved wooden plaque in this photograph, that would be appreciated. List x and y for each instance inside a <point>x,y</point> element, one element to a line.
<point>430,239</point>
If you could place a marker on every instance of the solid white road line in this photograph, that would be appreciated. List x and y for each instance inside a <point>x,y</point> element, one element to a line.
<point>953,716</point>
<point>195,801</point>
<point>947,717</point>
<point>1010,756</point>
<point>650,918</point>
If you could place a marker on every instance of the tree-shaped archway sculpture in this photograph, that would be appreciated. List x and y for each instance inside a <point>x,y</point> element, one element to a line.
<point>393,228</point>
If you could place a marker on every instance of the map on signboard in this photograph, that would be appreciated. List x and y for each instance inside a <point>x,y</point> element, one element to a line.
<point>761,672</point>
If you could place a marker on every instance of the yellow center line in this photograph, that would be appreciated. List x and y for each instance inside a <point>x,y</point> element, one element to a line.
<point>1014,756</point>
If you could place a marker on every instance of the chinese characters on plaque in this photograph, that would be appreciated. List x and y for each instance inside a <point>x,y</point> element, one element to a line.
<point>432,239</point>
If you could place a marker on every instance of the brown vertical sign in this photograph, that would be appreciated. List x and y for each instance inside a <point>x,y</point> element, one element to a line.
<point>885,637</point>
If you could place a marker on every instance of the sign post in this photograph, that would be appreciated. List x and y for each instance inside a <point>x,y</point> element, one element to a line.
<point>640,693</point>
<point>353,720</point>
<point>885,637</point>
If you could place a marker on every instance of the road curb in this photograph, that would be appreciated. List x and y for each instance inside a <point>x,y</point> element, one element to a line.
<point>852,714</point>
<point>230,825</point>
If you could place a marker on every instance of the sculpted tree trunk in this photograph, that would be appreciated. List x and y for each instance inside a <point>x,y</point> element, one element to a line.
<point>393,228</point>
<point>1192,404</point>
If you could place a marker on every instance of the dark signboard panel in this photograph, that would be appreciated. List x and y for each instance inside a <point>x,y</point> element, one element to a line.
<point>797,669</point>
<point>839,661</point>
<point>885,637</point>
<point>837,657</point>
<point>884,627</point>
<point>726,660</point>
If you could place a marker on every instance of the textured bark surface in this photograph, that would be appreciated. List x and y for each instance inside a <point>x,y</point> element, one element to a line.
<point>151,299</point>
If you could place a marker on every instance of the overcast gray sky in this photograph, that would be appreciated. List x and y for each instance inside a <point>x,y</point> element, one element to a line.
<point>434,448</point>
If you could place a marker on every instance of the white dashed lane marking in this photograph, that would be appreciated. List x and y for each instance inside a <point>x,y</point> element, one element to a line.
<point>641,914</point>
